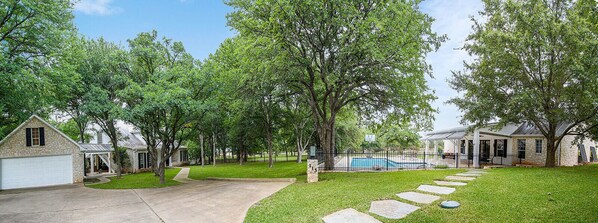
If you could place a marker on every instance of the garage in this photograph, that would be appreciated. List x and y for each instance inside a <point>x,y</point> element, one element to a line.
<point>35,171</point>
<point>36,154</point>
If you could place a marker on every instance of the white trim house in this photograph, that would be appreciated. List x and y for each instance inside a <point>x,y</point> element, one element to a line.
<point>512,144</point>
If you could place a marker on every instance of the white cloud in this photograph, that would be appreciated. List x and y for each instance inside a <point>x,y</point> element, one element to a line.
<point>96,7</point>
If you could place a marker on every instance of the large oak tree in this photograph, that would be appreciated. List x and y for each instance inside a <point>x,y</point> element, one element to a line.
<point>535,63</point>
<point>369,54</point>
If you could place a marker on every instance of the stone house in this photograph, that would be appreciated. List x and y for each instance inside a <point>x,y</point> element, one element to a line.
<point>513,144</point>
<point>37,154</point>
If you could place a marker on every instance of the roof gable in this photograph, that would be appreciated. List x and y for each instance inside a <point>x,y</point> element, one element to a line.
<point>45,123</point>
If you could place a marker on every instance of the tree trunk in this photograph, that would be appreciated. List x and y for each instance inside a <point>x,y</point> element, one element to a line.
<point>326,134</point>
<point>299,148</point>
<point>117,158</point>
<point>161,167</point>
<point>201,148</point>
<point>214,149</point>
<point>269,139</point>
<point>551,147</point>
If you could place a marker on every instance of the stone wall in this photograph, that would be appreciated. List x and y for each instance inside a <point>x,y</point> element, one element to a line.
<point>531,157</point>
<point>55,144</point>
<point>570,151</point>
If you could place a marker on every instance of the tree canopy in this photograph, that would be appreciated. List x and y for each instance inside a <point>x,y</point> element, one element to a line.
<point>535,63</point>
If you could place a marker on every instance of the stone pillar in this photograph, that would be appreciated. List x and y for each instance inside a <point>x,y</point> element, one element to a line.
<point>476,149</point>
<point>312,170</point>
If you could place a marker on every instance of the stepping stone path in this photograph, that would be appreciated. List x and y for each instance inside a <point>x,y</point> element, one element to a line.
<point>349,215</point>
<point>449,183</point>
<point>392,209</point>
<point>469,174</point>
<point>459,178</point>
<point>436,189</point>
<point>418,198</point>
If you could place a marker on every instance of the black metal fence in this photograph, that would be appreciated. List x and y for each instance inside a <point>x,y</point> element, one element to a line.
<point>399,160</point>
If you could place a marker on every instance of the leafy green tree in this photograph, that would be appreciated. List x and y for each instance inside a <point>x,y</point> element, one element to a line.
<point>398,137</point>
<point>104,69</point>
<point>367,54</point>
<point>535,63</point>
<point>32,36</point>
<point>71,129</point>
<point>159,96</point>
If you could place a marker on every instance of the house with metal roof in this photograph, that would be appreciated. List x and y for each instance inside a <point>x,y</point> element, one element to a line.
<point>512,144</point>
<point>136,147</point>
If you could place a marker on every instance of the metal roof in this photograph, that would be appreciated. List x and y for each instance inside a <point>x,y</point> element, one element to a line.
<point>530,129</point>
<point>95,148</point>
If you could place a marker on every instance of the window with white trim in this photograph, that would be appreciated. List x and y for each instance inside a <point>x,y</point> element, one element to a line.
<point>538,146</point>
<point>35,136</point>
<point>521,148</point>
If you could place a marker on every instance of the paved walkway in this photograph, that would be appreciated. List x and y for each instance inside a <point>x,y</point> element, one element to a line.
<point>393,209</point>
<point>207,201</point>
<point>183,175</point>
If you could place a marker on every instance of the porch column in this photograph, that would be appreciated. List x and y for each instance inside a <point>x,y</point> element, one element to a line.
<point>92,163</point>
<point>457,152</point>
<point>476,149</point>
<point>427,146</point>
<point>435,152</point>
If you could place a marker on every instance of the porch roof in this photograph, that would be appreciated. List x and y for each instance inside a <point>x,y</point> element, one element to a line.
<point>95,148</point>
<point>460,132</point>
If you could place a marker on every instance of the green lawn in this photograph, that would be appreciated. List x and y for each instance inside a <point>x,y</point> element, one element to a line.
<point>521,195</point>
<point>140,180</point>
<point>302,202</point>
<point>250,170</point>
<point>502,195</point>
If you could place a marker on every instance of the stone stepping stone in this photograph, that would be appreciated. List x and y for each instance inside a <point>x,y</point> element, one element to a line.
<point>392,209</point>
<point>418,197</point>
<point>477,171</point>
<point>436,189</point>
<point>349,215</point>
<point>469,174</point>
<point>459,178</point>
<point>449,183</point>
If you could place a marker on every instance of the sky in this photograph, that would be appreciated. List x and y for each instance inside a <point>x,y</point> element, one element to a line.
<point>201,26</point>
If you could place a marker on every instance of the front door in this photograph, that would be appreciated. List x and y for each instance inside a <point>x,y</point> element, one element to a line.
<point>485,150</point>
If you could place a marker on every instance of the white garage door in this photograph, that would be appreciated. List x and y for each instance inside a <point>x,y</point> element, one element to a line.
<point>36,171</point>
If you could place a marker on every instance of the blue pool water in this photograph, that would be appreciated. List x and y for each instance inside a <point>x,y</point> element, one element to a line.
<point>382,163</point>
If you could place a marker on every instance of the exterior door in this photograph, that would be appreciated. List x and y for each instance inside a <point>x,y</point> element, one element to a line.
<point>485,150</point>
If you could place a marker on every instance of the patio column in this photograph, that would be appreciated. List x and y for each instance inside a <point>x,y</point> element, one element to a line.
<point>457,152</point>
<point>92,164</point>
<point>476,149</point>
<point>427,146</point>
<point>436,152</point>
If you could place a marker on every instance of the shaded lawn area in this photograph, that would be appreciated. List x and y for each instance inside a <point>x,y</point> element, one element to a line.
<point>302,202</point>
<point>250,170</point>
<point>521,195</point>
<point>501,195</point>
<point>140,180</point>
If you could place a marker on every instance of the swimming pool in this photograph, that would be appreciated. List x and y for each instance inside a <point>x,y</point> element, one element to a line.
<point>382,163</point>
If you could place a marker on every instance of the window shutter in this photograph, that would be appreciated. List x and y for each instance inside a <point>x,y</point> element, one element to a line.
<point>495,147</point>
<point>504,154</point>
<point>42,138</point>
<point>28,136</point>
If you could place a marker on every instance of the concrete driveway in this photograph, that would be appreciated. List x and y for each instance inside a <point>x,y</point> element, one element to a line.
<point>197,201</point>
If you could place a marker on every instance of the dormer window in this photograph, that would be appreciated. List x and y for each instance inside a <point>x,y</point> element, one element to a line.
<point>35,136</point>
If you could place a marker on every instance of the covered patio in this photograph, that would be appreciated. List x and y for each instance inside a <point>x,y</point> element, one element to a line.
<point>468,147</point>
<point>98,157</point>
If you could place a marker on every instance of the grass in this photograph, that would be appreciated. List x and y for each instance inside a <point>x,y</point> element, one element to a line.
<point>522,195</point>
<point>302,202</point>
<point>502,195</point>
<point>140,180</point>
<point>250,170</point>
